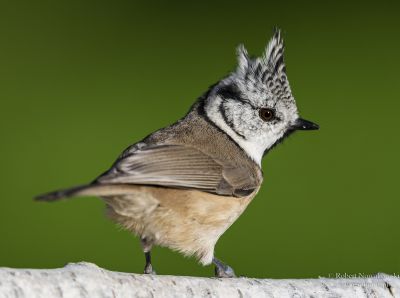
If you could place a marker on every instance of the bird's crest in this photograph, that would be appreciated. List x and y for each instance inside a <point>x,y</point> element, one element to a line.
<point>271,63</point>
<point>265,74</point>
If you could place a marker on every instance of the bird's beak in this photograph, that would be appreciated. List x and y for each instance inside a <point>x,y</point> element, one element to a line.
<point>302,124</point>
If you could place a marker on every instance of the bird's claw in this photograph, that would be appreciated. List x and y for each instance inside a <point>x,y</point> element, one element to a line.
<point>148,269</point>
<point>224,271</point>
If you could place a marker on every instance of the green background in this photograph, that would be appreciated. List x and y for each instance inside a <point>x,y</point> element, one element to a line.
<point>81,80</point>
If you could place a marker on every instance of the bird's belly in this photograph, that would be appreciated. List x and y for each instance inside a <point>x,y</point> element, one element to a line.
<point>189,221</point>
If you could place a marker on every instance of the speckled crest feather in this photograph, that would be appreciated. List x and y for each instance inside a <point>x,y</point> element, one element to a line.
<point>266,73</point>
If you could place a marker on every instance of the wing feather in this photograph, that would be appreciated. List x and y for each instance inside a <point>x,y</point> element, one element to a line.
<point>181,167</point>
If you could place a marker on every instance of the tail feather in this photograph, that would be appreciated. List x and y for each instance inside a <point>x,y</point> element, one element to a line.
<point>61,194</point>
<point>102,190</point>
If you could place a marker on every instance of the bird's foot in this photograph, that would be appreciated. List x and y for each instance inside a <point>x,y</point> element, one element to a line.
<point>222,270</point>
<point>148,269</point>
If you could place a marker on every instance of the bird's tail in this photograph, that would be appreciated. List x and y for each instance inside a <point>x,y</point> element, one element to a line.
<point>101,190</point>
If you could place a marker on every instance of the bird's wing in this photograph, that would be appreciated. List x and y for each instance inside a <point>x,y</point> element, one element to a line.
<point>180,167</point>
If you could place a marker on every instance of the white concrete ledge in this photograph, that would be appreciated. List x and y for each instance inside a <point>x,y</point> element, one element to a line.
<point>88,280</point>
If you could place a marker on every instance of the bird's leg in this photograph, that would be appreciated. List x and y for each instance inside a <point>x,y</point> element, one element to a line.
<point>147,245</point>
<point>148,268</point>
<point>222,270</point>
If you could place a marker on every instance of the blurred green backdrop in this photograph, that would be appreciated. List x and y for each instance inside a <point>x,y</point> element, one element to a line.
<point>81,80</point>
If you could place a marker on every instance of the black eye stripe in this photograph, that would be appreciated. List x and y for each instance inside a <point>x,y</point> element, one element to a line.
<point>230,91</point>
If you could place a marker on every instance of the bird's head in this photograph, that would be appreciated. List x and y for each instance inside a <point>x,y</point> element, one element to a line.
<point>254,104</point>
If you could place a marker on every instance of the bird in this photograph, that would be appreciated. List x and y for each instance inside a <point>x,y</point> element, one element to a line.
<point>184,185</point>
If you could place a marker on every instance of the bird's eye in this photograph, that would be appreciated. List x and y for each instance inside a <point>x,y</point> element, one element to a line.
<point>266,114</point>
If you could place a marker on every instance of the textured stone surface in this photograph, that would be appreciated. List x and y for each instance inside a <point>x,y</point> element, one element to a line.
<point>88,280</point>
